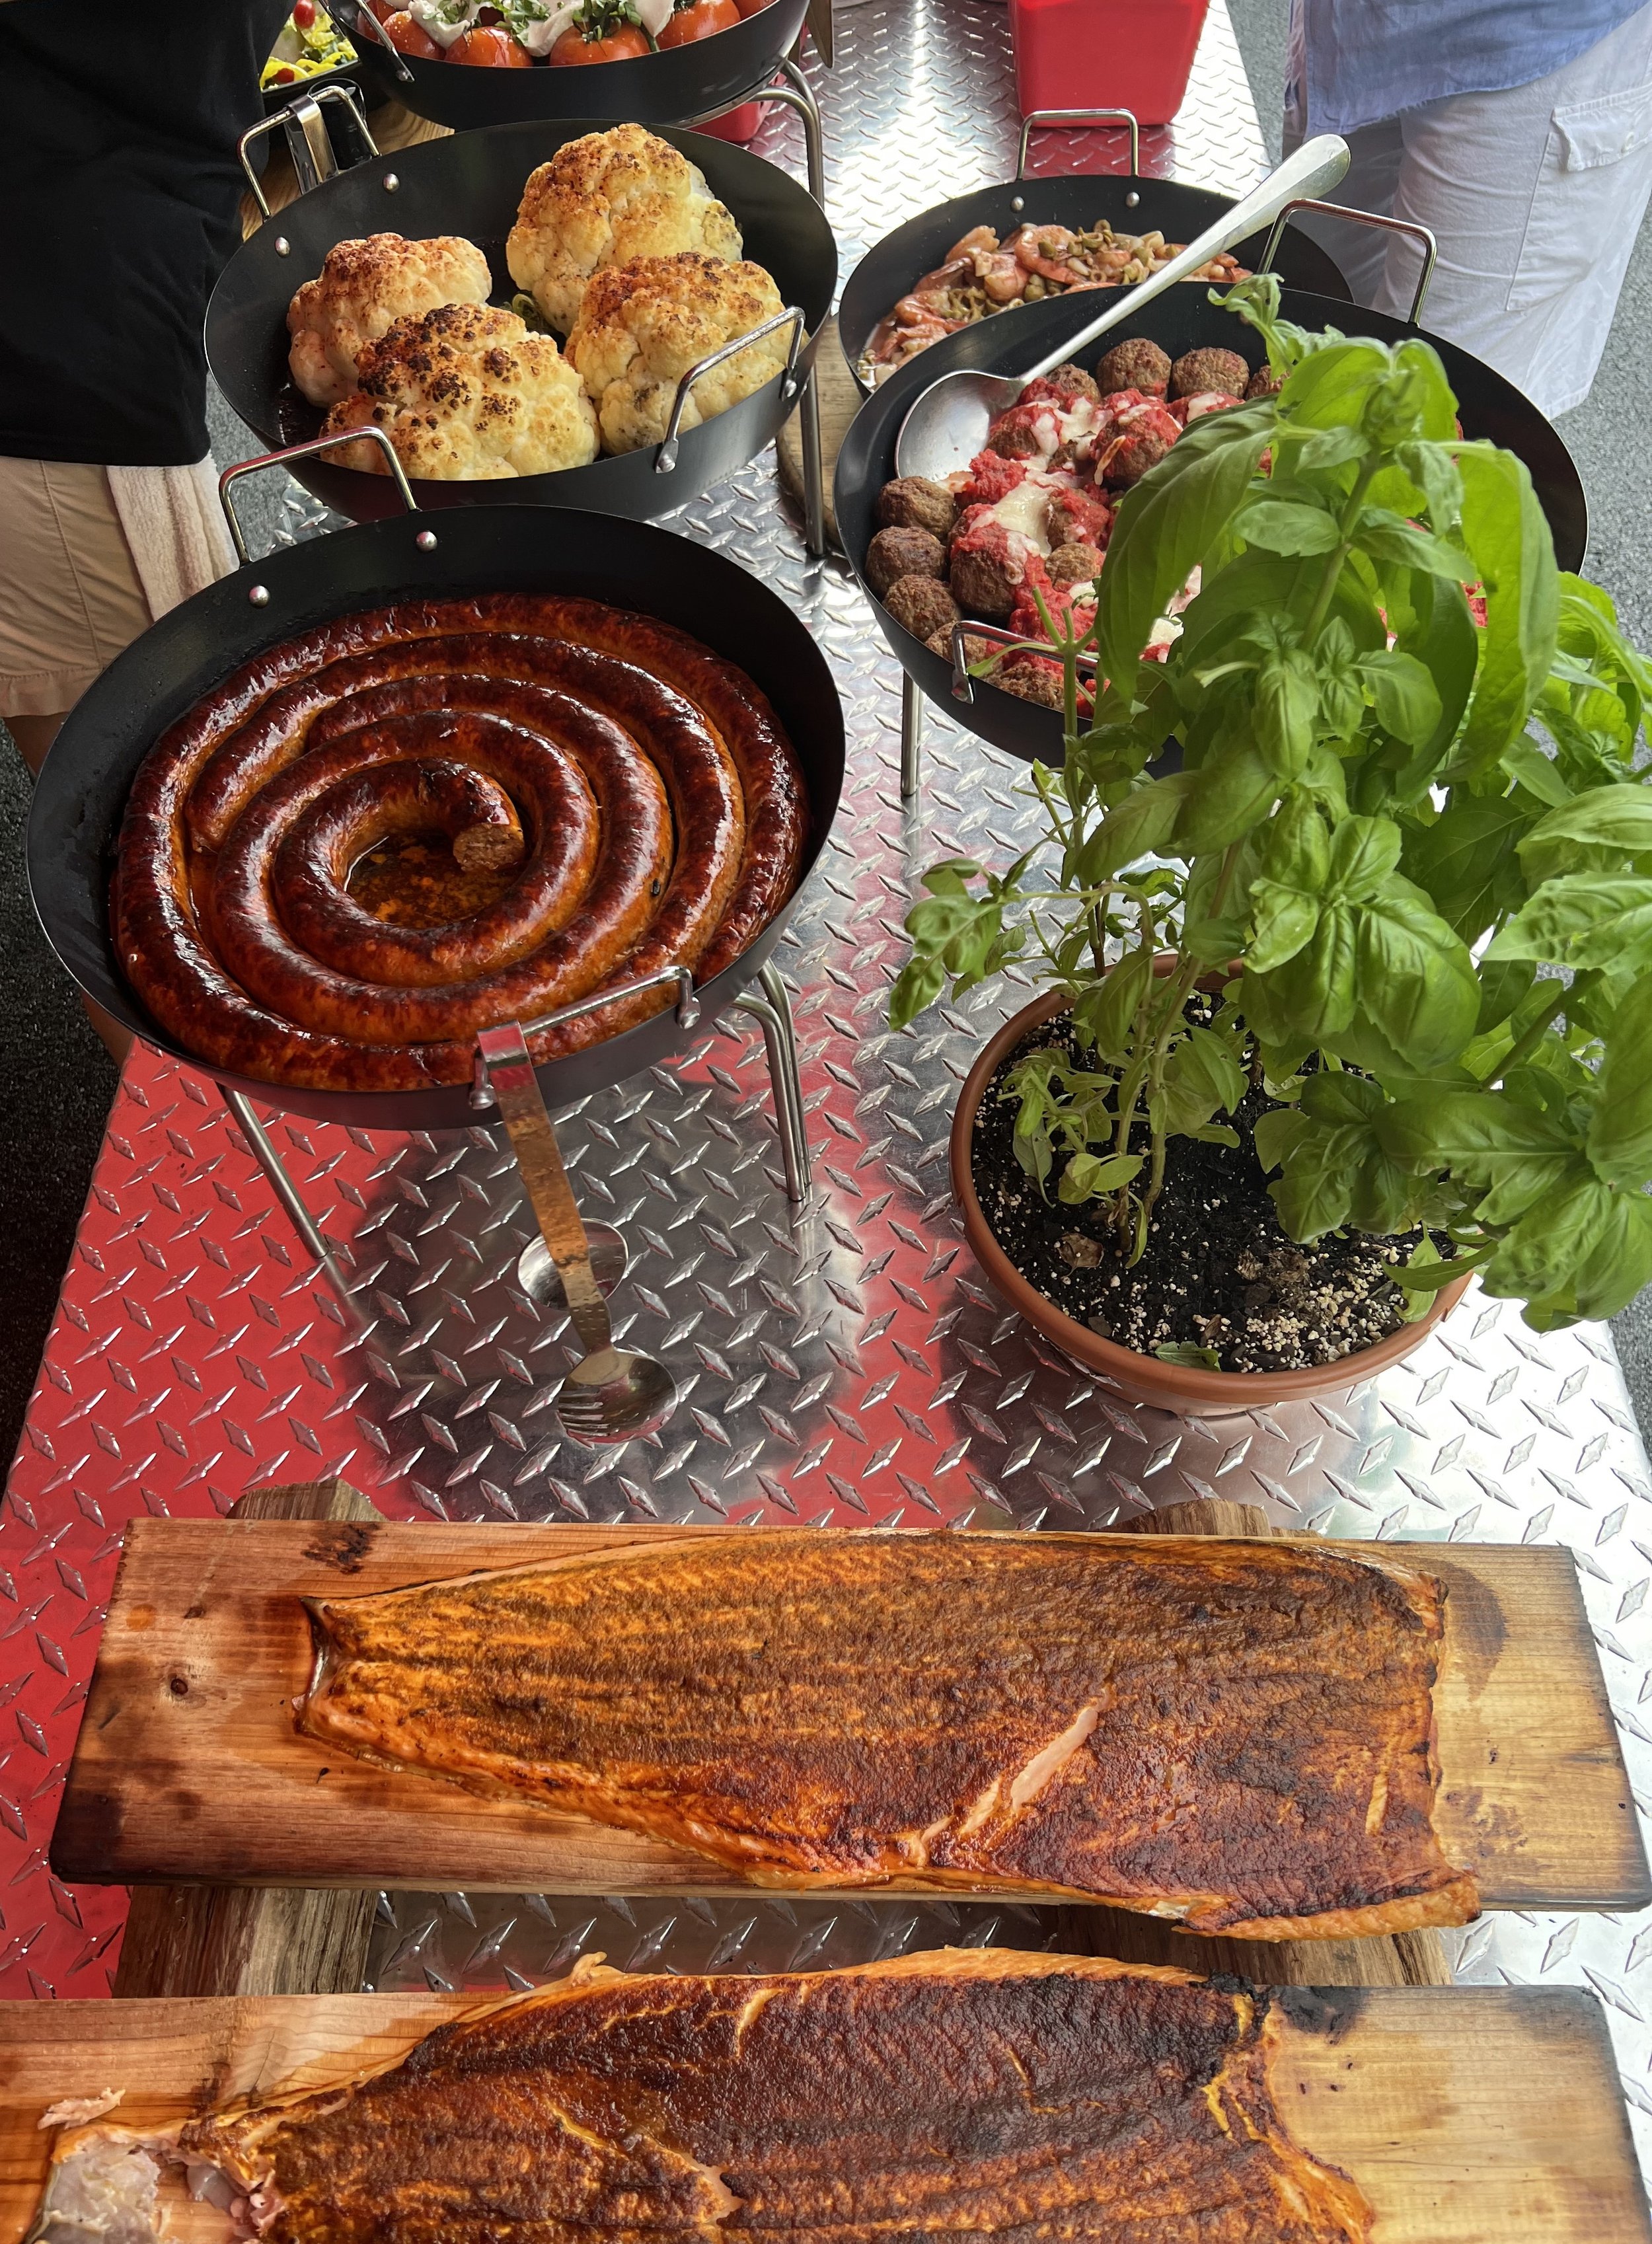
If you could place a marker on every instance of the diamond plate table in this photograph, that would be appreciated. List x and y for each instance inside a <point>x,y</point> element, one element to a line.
<point>840,1362</point>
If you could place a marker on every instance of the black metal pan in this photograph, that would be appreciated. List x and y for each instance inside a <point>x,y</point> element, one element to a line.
<point>1183,319</point>
<point>1130,203</point>
<point>75,816</point>
<point>693,81</point>
<point>471,185</point>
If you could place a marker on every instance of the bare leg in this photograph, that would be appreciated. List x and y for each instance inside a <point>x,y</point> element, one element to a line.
<point>34,735</point>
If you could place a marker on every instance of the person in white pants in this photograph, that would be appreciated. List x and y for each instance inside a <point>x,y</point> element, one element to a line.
<point>1520,133</point>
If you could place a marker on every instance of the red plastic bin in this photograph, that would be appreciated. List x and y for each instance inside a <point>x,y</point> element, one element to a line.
<point>1112,54</point>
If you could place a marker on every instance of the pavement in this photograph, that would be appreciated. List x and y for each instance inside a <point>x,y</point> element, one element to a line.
<point>57,1082</point>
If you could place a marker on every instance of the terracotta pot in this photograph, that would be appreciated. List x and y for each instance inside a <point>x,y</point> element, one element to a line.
<point>1144,1378</point>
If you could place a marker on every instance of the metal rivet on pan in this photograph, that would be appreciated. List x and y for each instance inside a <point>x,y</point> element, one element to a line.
<point>283,247</point>
<point>391,183</point>
<point>426,541</point>
<point>260,596</point>
<point>1018,202</point>
<point>1132,199</point>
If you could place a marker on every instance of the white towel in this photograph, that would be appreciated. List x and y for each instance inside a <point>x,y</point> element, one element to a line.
<point>176,529</point>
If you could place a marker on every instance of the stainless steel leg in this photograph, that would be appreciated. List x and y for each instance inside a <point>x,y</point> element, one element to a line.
<point>773,1012</point>
<point>912,736</point>
<point>263,1151</point>
<point>814,467</point>
<point>798,94</point>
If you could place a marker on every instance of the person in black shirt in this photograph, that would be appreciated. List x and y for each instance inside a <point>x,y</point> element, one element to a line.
<point>118,192</point>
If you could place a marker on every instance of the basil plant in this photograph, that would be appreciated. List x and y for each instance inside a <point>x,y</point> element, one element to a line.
<point>1408,844</point>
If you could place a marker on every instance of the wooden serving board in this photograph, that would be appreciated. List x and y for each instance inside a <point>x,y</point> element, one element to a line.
<point>1466,2115</point>
<point>188,1766</point>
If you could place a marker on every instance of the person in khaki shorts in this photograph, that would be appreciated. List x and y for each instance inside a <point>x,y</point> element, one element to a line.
<point>119,183</point>
<point>1520,135</point>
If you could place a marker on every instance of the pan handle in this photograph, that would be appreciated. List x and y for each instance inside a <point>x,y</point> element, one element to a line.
<point>380,436</point>
<point>362,25</point>
<point>312,152</point>
<point>1418,233</point>
<point>687,1010</point>
<point>963,684</point>
<point>1081,116</point>
<point>665,458</point>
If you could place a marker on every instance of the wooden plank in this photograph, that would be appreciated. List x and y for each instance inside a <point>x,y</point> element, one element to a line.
<point>1467,2115</point>
<point>187,1765</point>
<point>253,1940</point>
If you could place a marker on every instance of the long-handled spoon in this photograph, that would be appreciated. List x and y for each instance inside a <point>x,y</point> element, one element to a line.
<point>946,427</point>
<point>610,1395</point>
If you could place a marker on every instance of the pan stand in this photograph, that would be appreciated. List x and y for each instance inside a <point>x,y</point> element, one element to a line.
<point>797,94</point>
<point>770,1005</point>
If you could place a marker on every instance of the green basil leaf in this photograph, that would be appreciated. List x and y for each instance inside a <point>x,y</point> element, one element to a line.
<point>1471,1132</point>
<point>1285,920</point>
<point>1284,705</point>
<point>1609,818</point>
<point>1201,1078</point>
<point>1434,472</point>
<point>1507,535</point>
<point>1538,773</point>
<point>918,984</point>
<point>1381,1193</point>
<point>1276,1132</point>
<point>1405,698</point>
<point>1285,526</point>
<point>1554,1241</point>
<point>1326,447</point>
<point>1582,919</point>
<point>1363,853</point>
<point>1169,522</point>
<point>1465,860</point>
<point>1389,537</point>
<point>1619,1136</point>
<point>1106,1010</point>
<point>1619,1264</point>
<point>1332,387</point>
<point>1312,1192</point>
<point>1415,978</point>
<point>1333,1095</point>
<point>1312,994</point>
<point>1138,827</point>
<point>1189,1357</point>
<point>1230,795</point>
<point>1089,1176</point>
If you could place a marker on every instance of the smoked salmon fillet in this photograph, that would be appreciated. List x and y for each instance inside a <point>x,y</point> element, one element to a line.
<point>973,2094</point>
<point>1239,1735</point>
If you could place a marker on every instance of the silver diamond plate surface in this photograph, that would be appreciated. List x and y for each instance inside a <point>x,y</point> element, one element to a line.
<point>841,1363</point>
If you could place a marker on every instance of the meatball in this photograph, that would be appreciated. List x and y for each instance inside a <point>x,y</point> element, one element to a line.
<point>975,649</point>
<point>1073,563</point>
<point>920,605</point>
<point>1030,679</point>
<point>1132,457</point>
<point>1208,369</point>
<point>1067,381</point>
<point>1137,364</point>
<point>982,583</point>
<point>1014,439</point>
<point>1266,382</point>
<point>914,503</point>
<point>895,553</point>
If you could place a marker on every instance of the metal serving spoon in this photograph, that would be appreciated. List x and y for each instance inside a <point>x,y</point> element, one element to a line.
<point>946,427</point>
<point>610,1395</point>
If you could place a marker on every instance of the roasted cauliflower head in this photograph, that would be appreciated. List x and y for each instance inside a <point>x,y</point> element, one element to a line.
<point>360,289</point>
<point>603,200</point>
<point>643,325</point>
<point>465,394</point>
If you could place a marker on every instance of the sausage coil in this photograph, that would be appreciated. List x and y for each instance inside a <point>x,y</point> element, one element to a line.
<point>637,790</point>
